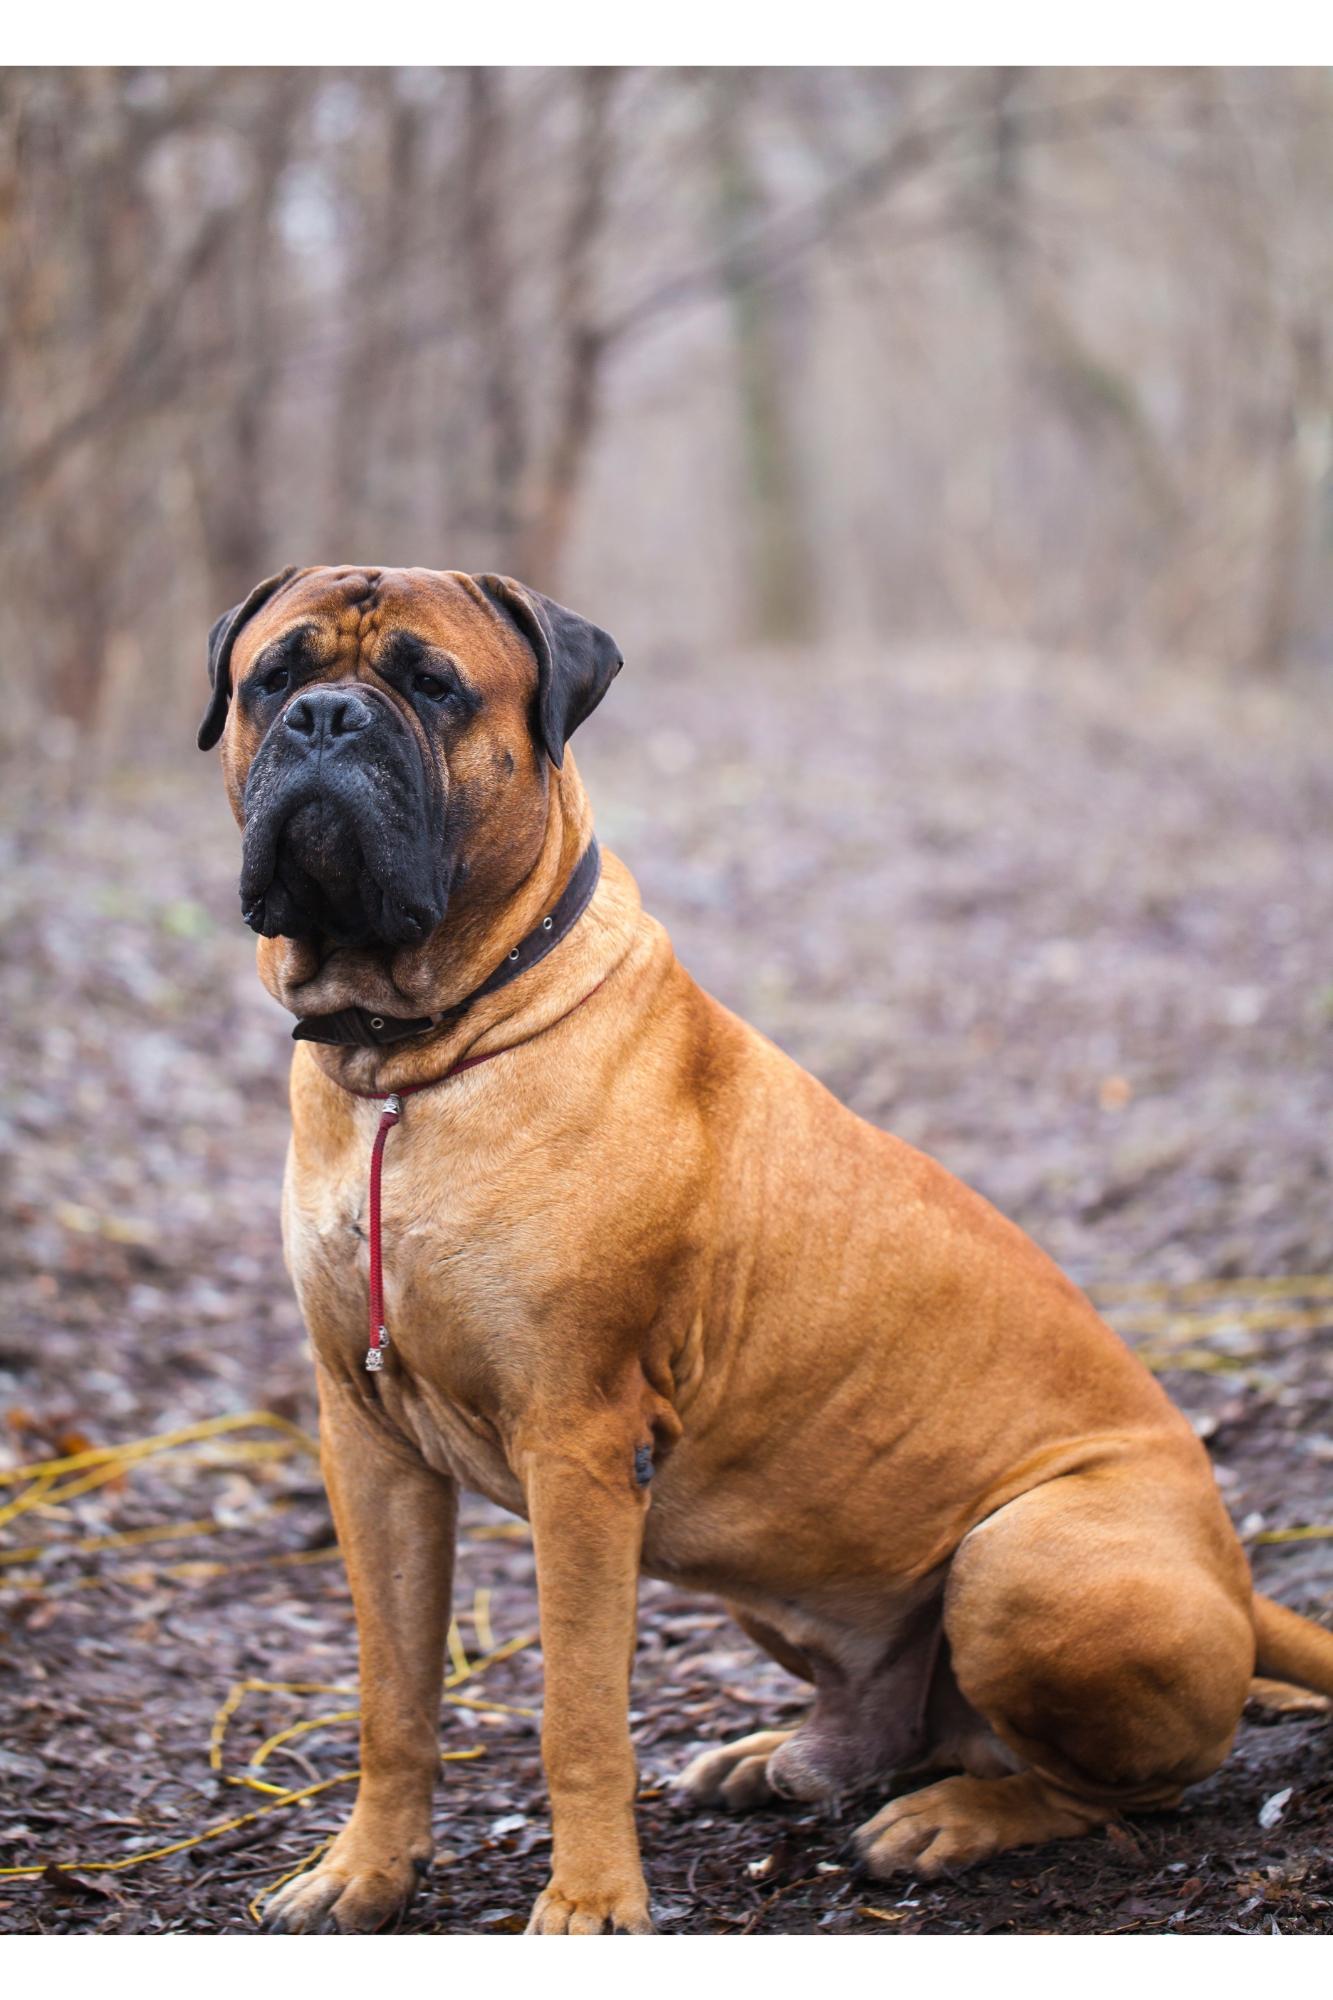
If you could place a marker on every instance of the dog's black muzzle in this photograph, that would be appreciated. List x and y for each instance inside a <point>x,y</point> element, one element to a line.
<point>344,821</point>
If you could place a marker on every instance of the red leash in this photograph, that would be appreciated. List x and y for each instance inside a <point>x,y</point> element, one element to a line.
<point>389,1117</point>
<point>379,1338</point>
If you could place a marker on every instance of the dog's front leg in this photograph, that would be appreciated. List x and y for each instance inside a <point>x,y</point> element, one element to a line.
<point>396,1522</point>
<point>587,1518</point>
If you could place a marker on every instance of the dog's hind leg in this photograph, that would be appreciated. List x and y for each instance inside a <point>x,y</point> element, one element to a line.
<point>869,1718</point>
<point>735,1775</point>
<point>961,1821</point>
<point>1107,1643</point>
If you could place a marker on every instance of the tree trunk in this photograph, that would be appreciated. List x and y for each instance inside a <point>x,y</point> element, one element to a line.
<point>227,455</point>
<point>489,280</point>
<point>580,346</point>
<point>1290,509</point>
<point>782,600</point>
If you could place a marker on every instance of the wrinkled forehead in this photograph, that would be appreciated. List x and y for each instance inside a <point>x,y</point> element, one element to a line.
<point>347,615</point>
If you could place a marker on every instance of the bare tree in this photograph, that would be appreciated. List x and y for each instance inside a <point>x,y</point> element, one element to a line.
<point>1037,352</point>
<point>227,433</point>
<point>765,316</point>
<point>578,339</point>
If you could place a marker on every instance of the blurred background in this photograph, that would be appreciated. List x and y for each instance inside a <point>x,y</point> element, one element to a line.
<point>793,356</point>
<point>951,453</point>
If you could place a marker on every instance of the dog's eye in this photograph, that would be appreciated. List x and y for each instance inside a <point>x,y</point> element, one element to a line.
<point>276,680</point>
<point>431,686</point>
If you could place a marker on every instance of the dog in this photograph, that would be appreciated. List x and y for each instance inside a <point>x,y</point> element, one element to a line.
<point>567,1233</point>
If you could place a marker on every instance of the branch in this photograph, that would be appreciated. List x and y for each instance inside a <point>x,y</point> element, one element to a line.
<point>767,251</point>
<point>129,386</point>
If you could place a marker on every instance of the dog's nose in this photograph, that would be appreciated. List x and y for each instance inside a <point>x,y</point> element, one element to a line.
<point>322,715</point>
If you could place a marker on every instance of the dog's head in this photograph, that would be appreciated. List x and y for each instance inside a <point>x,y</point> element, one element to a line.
<point>387,741</point>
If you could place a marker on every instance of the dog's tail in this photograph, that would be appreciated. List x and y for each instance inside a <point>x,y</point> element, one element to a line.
<point>1292,1648</point>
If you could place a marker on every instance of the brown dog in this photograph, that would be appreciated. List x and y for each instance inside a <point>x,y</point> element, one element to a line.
<point>627,1240</point>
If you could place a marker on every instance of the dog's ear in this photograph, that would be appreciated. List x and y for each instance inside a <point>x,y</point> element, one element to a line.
<point>576,660</point>
<point>221,638</point>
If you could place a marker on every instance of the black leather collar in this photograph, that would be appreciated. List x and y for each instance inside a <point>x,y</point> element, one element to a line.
<point>357,1027</point>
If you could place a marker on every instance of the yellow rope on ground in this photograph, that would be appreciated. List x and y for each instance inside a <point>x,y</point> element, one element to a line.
<point>223,1826</point>
<point>149,1447</point>
<point>236,1695</point>
<point>456,1652</point>
<point>345,1715</point>
<point>505,1652</point>
<point>250,1784</point>
<point>45,1492</point>
<point>100,1465</point>
<point>246,1451</point>
<point>262,1895</point>
<point>486,1707</point>
<point>194,1839</point>
<point>1318,1533</point>
<point>36,1494</point>
<point>198,1571</point>
<point>1197,1361</point>
<point>1312,1286</point>
<point>311,1722</point>
<point>86,1471</point>
<point>171,1531</point>
<point>1254,1319</point>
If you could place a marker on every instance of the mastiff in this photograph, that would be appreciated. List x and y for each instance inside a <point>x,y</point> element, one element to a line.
<point>568,1234</point>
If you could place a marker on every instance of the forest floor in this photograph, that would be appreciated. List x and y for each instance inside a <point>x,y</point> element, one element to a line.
<point>1067,928</point>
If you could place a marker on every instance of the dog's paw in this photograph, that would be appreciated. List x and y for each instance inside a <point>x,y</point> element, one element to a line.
<point>919,1835</point>
<point>960,1822</point>
<point>338,1895</point>
<point>564,1910</point>
<point>735,1776</point>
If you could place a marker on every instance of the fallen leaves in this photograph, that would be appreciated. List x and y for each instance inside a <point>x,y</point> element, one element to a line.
<point>1096,1093</point>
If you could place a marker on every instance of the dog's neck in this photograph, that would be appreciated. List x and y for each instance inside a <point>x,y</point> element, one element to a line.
<point>487,919</point>
<point>359,1027</point>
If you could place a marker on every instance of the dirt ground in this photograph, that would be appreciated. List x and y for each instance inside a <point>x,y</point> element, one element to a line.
<point>1065,927</point>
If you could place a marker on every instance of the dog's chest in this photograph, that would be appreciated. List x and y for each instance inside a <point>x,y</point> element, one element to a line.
<point>454,1306</point>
